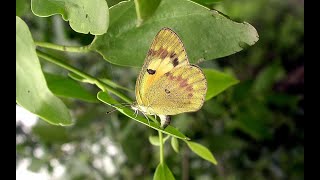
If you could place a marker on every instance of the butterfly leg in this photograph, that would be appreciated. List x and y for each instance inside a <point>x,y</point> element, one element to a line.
<point>135,113</point>
<point>146,118</point>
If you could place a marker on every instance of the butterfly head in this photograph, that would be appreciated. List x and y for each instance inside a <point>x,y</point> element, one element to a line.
<point>136,107</point>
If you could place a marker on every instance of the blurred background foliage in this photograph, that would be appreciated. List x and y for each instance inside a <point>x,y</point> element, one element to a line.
<point>255,129</point>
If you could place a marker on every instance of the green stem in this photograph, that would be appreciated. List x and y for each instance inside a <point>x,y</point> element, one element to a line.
<point>103,86</point>
<point>161,147</point>
<point>81,49</point>
<point>139,18</point>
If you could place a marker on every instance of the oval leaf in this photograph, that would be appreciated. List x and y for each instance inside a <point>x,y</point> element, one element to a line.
<point>32,92</point>
<point>67,87</point>
<point>84,16</point>
<point>202,151</point>
<point>206,34</point>
<point>170,130</point>
<point>175,144</point>
<point>217,82</point>
<point>163,173</point>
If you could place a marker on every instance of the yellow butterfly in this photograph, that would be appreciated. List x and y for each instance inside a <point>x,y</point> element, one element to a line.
<point>167,83</point>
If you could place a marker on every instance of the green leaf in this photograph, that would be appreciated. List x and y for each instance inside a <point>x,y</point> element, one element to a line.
<point>207,3</point>
<point>163,173</point>
<point>154,140</point>
<point>175,144</point>
<point>217,82</point>
<point>206,34</point>
<point>51,134</point>
<point>202,151</point>
<point>32,92</point>
<point>84,16</point>
<point>267,77</point>
<point>22,6</point>
<point>170,130</point>
<point>145,8</point>
<point>66,87</point>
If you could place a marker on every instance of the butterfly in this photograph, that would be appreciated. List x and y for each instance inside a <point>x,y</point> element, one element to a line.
<point>167,83</point>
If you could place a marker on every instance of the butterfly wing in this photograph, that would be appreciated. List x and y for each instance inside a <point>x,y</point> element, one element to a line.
<point>180,90</point>
<point>165,54</point>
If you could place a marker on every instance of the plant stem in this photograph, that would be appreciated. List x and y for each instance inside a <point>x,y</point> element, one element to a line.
<point>161,147</point>
<point>62,48</point>
<point>139,18</point>
<point>103,86</point>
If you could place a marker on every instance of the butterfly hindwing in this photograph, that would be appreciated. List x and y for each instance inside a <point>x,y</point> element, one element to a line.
<point>181,90</point>
<point>165,54</point>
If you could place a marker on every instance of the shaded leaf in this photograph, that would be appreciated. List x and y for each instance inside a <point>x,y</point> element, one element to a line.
<point>217,82</point>
<point>83,16</point>
<point>205,33</point>
<point>66,87</point>
<point>32,92</point>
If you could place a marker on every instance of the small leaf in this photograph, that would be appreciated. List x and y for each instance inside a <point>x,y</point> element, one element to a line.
<point>163,173</point>
<point>66,87</point>
<point>145,8</point>
<point>154,140</point>
<point>202,151</point>
<point>32,92</point>
<point>170,130</point>
<point>217,82</point>
<point>175,144</point>
<point>206,34</point>
<point>84,16</point>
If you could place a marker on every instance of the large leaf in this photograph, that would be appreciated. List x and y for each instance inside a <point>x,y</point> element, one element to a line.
<point>207,3</point>
<point>163,173</point>
<point>32,92</point>
<point>104,97</point>
<point>67,87</point>
<point>206,34</point>
<point>217,82</point>
<point>84,16</point>
<point>201,151</point>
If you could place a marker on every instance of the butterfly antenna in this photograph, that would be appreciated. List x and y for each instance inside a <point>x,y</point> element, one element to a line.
<point>122,104</point>
<point>111,111</point>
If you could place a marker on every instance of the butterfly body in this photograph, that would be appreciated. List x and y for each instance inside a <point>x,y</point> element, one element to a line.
<point>168,84</point>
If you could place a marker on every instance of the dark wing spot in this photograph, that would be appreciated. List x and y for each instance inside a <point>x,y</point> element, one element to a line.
<point>86,15</point>
<point>172,55</point>
<point>151,72</point>
<point>175,62</point>
<point>150,52</point>
<point>190,95</point>
<point>167,91</point>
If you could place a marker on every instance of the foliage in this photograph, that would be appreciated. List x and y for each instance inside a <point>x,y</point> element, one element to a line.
<point>254,128</point>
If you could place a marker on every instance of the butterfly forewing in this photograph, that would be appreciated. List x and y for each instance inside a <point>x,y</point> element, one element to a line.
<point>165,54</point>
